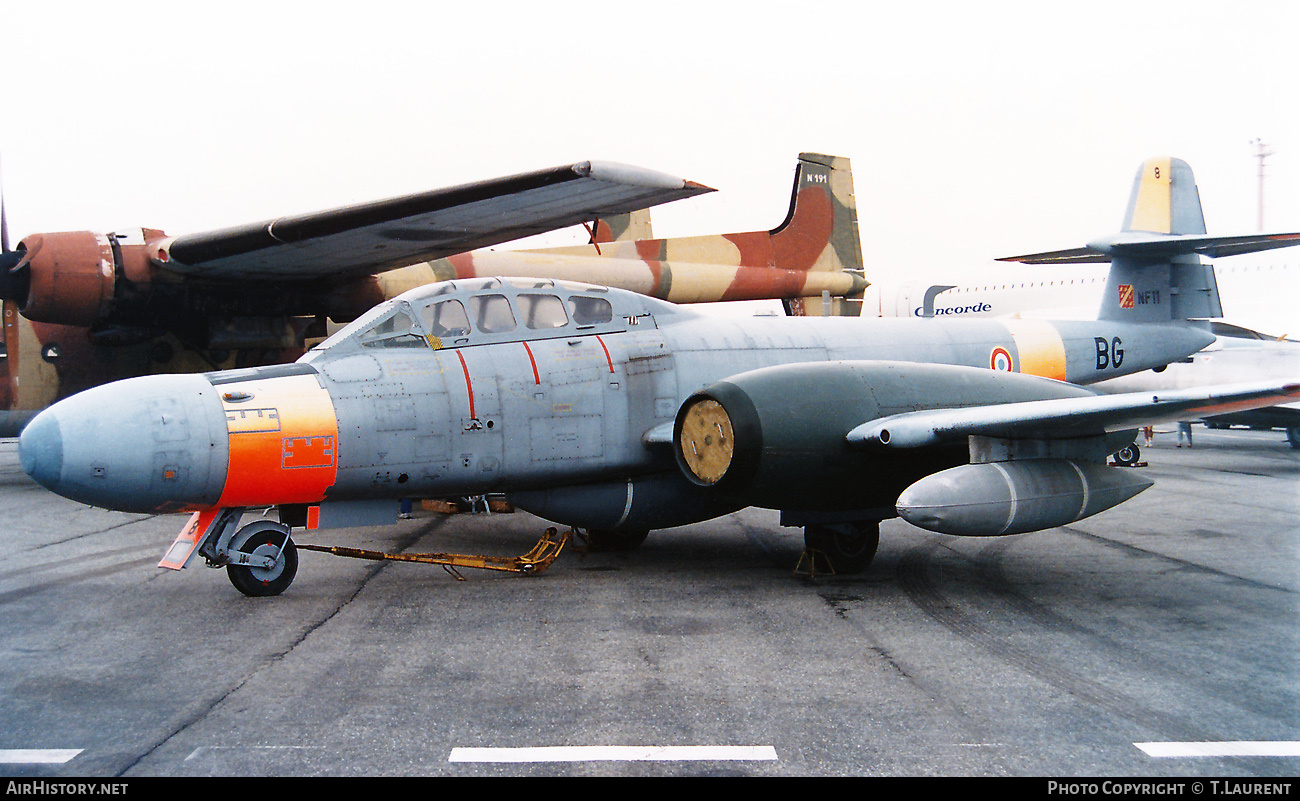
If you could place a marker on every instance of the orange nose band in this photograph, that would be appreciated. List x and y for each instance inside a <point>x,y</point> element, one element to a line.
<point>283,441</point>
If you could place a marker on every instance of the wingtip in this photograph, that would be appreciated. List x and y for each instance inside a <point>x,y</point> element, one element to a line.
<point>614,172</point>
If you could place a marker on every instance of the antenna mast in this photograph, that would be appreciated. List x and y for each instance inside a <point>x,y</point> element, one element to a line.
<point>1261,152</point>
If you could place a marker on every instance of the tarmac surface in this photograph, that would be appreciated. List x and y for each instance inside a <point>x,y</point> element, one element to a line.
<point>1095,649</point>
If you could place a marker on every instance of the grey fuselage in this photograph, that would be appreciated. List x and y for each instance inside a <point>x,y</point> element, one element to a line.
<point>528,387</point>
<point>550,407</point>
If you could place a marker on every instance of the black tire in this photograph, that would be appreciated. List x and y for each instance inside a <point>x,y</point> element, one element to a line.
<point>610,541</point>
<point>1293,437</point>
<point>848,547</point>
<point>1128,456</point>
<point>257,582</point>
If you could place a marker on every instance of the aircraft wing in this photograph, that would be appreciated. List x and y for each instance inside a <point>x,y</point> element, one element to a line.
<point>1142,244</point>
<point>373,237</point>
<point>1066,418</point>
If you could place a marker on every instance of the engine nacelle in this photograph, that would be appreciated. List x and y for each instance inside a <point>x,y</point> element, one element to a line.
<point>123,288</point>
<point>70,277</point>
<point>641,503</point>
<point>776,437</point>
<point>995,498</point>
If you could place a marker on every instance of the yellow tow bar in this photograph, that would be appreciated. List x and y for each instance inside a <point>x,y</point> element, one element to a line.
<point>531,563</point>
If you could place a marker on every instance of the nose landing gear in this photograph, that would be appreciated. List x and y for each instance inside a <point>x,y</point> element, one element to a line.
<point>263,560</point>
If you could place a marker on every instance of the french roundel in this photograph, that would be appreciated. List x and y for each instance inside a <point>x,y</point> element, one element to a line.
<point>1000,359</point>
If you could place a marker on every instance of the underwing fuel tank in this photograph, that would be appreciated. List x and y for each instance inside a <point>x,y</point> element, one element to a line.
<point>996,498</point>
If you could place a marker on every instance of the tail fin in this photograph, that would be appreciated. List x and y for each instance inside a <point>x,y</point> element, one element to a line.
<point>822,195</point>
<point>815,254</point>
<point>1156,274</point>
<point>1165,199</point>
<point>1160,285</point>
<point>627,227</point>
<point>819,235</point>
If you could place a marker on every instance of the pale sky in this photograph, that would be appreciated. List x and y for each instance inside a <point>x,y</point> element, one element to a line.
<point>976,130</point>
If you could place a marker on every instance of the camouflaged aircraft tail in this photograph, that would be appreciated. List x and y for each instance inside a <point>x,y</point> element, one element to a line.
<point>819,235</point>
<point>627,227</point>
<point>843,251</point>
<point>814,254</point>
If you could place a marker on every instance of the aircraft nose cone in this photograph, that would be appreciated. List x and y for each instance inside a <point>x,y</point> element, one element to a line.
<point>40,449</point>
<point>148,444</point>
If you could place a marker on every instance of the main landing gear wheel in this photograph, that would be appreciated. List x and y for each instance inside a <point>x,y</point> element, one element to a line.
<point>848,547</point>
<point>271,540</point>
<point>1127,457</point>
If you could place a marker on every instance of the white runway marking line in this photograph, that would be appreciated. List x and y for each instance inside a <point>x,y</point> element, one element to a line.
<point>616,753</point>
<point>37,756</point>
<point>1237,748</point>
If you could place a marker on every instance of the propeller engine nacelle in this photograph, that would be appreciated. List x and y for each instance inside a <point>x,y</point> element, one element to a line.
<point>115,283</point>
<point>71,278</point>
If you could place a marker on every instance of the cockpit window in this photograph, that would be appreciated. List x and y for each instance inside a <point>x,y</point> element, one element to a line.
<point>491,313</point>
<point>397,330</point>
<point>590,311</point>
<point>447,319</point>
<point>482,311</point>
<point>542,311</point>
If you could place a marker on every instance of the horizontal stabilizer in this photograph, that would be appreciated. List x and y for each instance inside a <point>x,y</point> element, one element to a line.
<point>1160,247</point>
<point>1163,221</point>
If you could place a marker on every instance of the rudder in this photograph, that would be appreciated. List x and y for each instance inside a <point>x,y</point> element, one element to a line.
<point>823,209</point>
<point>1165,199</point>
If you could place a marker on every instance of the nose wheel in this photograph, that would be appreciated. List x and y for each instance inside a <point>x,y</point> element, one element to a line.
<point>265,560</point>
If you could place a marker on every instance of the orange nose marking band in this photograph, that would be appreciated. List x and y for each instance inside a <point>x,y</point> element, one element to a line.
<point>283,442</point>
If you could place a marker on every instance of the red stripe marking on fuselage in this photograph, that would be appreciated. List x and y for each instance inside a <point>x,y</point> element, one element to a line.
<point>608,360</point>
<point>536,378</point>
<point>469,385</point>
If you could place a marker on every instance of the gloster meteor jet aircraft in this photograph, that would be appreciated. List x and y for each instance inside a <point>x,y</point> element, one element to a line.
<point>619,413</point>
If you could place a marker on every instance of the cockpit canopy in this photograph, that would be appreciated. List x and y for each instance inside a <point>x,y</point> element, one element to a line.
<point>486,310</point>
